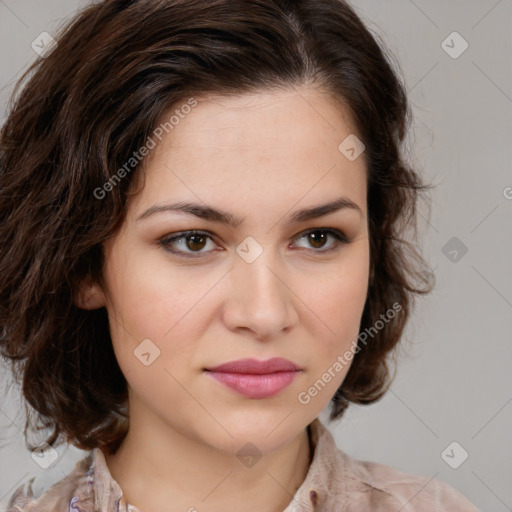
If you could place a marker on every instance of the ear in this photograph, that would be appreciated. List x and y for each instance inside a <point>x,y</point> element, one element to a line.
<point>89,296</point>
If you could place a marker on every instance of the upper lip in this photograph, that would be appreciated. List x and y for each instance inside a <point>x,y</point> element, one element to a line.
<point>276,364</point>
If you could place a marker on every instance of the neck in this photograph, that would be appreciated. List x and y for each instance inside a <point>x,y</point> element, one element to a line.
<point>160,468</point>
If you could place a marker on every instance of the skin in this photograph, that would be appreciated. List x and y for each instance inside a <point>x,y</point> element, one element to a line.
<point>261,156</point>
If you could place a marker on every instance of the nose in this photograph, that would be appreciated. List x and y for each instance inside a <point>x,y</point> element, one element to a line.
<point>261,301</point>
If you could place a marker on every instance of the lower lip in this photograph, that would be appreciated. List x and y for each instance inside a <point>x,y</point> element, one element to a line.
<point>256,385</point>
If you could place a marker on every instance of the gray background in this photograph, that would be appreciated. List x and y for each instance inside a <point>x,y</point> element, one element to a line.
<point>454,382</point>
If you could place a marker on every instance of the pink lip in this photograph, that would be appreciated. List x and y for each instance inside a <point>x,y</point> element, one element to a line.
<point>256,379</point>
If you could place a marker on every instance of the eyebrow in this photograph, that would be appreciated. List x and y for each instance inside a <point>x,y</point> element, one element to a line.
<point>216,215</point>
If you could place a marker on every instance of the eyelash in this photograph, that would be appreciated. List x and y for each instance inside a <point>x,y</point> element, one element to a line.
<point>165,242</point>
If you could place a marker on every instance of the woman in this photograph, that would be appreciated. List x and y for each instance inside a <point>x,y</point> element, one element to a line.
<point>203,208</point>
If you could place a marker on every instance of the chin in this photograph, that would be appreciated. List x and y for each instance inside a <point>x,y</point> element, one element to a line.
<point>266,428</point>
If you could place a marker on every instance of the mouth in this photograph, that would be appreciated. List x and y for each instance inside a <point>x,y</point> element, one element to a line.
<point>256,379</point>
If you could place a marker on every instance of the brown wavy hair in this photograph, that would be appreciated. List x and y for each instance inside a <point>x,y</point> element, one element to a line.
<point>78,114</point>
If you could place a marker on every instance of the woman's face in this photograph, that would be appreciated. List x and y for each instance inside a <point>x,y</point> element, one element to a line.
<point>277,284</point>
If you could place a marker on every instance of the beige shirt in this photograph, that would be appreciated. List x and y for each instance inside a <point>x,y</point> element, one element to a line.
<point>335,482</point>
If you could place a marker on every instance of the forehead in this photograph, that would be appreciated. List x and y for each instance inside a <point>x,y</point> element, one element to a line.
<point>305,112</point>
<point>283,142</point>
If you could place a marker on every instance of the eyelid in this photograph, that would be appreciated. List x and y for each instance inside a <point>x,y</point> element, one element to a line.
<point>340,237</point>
<point>336,233</point>
<point>166,240</point>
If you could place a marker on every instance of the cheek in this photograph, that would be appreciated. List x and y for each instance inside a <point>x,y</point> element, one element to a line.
<point>339,305</point>
<point>338,300</point>
<point>148,316</point>
<point>336,305</point>
<point>152,300</point>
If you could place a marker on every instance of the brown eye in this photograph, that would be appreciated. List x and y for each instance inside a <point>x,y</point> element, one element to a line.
<point>318,238</point>
<point>188,244</point>
<point>195,242</point>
